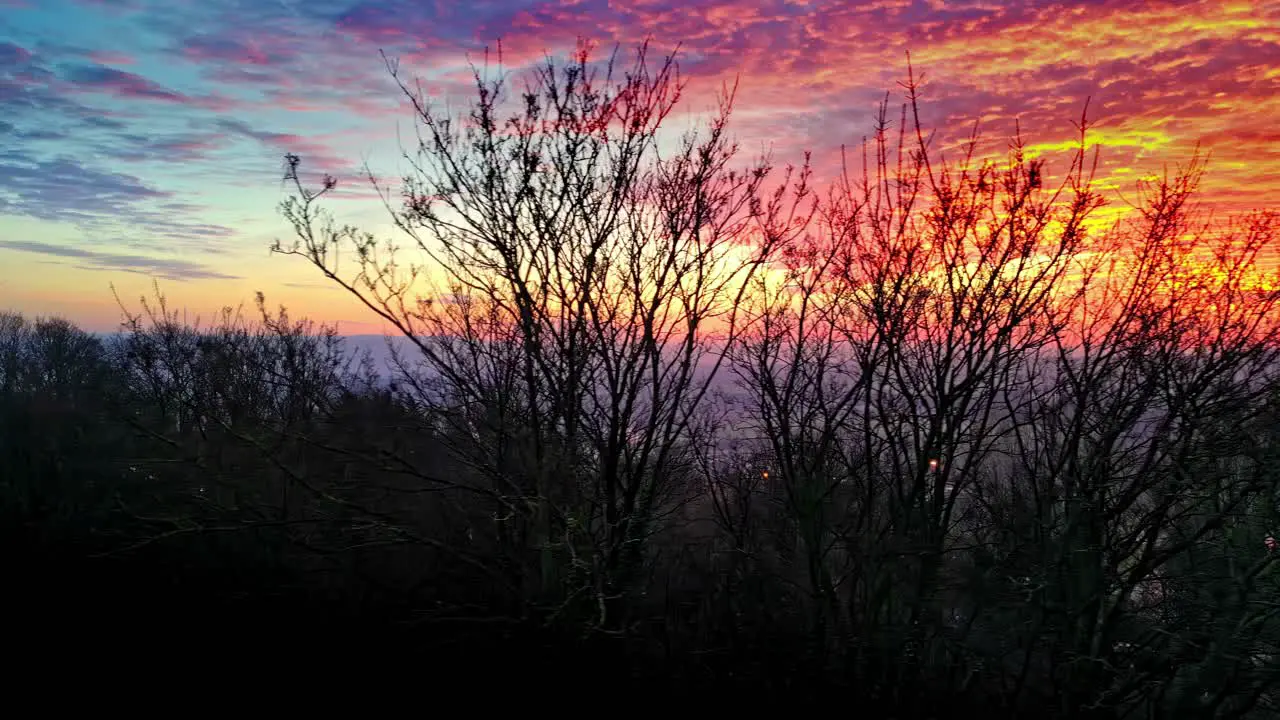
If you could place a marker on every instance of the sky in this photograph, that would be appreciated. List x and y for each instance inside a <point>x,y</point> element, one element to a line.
<point>142,141</point>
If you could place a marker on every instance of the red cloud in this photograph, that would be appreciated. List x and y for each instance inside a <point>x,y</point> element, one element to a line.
<point>1159,76</point>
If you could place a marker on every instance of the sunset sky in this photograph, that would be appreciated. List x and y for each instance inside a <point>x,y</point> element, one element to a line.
<point>143,139</point>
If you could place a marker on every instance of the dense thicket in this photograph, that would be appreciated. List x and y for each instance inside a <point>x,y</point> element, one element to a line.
<point>933,437</point>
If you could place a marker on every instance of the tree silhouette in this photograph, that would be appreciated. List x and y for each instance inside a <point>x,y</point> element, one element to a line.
<point>929,437</point>
<point>588,282</point>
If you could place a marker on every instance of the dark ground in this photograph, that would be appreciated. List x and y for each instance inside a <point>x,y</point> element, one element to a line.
<point>154,621</point>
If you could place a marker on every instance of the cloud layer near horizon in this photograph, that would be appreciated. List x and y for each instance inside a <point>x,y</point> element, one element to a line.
<point>146,136</point>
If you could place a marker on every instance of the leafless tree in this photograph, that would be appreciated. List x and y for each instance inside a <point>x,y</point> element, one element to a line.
<point>1169,338</point>
<point>984,440</point>
<point>877,355</point>
<point>579,285</point>
<point>958,371</point>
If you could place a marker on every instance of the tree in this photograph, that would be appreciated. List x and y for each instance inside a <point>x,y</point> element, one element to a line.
<point>985,444</point>
<point>990,417</point>
<point>579,287</point>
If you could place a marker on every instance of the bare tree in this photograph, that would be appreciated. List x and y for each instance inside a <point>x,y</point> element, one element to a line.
<point>1170,337</point>
<point>986,442</point>
<point>990,417</point>
<point>877,355</point>
<point>578,289</point>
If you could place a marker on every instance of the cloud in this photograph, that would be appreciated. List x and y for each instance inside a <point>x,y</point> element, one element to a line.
<point>184,147</point>
<point>65,190</point>
<point>318,156</point>
<point>110,57</point>
<point>131,86</point>
<point>38,109</point>
<point>119,82</point>
<point>168,268</point>
<point>396,21</point>
<point>47,188</point>
<point>115,4</point>
<point>262,50</point>
<point>12,55</point>
<point>27,88</point>
<point>169,118</point>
